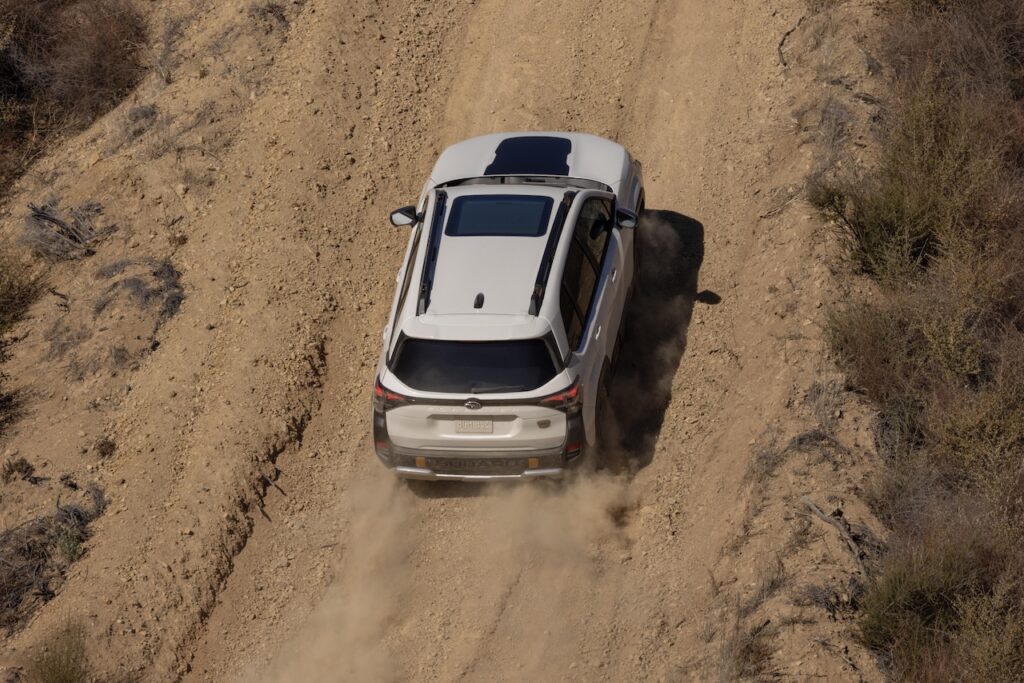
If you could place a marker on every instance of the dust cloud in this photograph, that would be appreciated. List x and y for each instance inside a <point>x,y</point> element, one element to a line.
<point>344,637</point>
<point>527,545</point>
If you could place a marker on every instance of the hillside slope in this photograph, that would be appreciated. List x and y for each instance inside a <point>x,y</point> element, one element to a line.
<point>251,529</point>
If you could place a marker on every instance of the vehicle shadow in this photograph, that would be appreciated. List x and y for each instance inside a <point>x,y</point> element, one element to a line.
<point>671,249</point>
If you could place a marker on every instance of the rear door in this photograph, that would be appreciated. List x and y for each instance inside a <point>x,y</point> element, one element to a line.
<point>589,295</point>
<point>473,410</point>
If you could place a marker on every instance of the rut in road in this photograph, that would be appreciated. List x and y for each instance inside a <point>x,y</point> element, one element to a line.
<point>607,576</point>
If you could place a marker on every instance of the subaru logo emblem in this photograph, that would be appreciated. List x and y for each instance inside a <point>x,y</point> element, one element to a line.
<point>474,404</point>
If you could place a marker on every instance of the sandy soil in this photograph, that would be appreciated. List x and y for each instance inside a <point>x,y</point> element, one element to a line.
<point>252,534</point>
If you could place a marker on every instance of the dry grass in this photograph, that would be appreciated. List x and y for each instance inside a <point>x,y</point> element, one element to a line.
<point>62,63</point>
<point>17,468</point>
<point>63,659</point>
<point>746,652</point>
<point>20,284</point>
<point>938,222</point>
<point>772,577</point>
<point>50,234</point>
<point>36,555</point>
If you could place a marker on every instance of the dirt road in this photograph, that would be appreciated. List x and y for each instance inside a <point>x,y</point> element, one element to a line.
<point>273,545</point>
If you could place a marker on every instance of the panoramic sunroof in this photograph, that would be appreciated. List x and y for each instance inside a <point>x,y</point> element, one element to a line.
<point>531,155</point>
<point>499,215</point>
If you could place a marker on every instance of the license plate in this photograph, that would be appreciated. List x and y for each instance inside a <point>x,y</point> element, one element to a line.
<point>474,426</point>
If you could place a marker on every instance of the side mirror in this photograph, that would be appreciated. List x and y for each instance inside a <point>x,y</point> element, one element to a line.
<point>626,218</point>
<point>404,216</point>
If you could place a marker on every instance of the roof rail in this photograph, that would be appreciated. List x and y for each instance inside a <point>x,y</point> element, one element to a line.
<point>546,262</point>
<point>433,247</point>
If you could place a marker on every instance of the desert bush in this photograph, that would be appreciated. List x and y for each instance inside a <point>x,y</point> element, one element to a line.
<point>928,569</point>
<point>746,652</point>
<point>952,148</point>
<point>980,431</point>
<point>50,235</point>
<point>37,553</point>
<point>991,643</point>
<point>16,468</point>
<point>19,286</point>
<point>76,55</point>
<point>937,220</point>
<point>894,224</point>
<point>62,63</point>
<point>63,659</point>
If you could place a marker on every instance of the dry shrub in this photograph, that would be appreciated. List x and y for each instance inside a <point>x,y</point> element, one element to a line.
<point>949,176</point>
<point>912,601</point>
<point>894,224</point>
<point>17,468</point>
<point>20,284</point>
<point>62,63</point>
<point>80,56</point>
<point>50,235</point>
<point>746,652</point>
<point>979,432</point>
<point>63,659</point>
<point>938,222</point>
<point>36,555</point>
<point>946,600</point>
<point>991,642</point>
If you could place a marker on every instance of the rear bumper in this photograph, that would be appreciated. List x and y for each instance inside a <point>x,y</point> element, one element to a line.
<point>476,466</point>
<point>431,475</point>
<point>446,464</point>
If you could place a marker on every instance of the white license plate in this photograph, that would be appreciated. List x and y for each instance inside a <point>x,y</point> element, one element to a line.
<point>474,426</point>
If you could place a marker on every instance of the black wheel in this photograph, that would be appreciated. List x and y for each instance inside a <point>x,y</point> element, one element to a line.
<point>610,454</point>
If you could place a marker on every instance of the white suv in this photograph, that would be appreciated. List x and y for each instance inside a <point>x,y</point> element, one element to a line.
<point>508,309</point>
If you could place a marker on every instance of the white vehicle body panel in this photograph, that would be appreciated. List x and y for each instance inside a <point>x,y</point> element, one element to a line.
<point>513,428</point>
<point>498,427</point>
<point>591,158</point>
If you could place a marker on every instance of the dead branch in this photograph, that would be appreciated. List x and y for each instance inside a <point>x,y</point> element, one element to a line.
<point>785,37</point>
<point>843,531</point>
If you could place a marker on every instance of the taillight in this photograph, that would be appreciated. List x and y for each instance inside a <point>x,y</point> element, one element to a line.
<point>385,399</point>
<point>569,400</point>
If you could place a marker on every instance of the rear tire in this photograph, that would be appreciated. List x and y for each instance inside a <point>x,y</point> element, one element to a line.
<point>609,451</point>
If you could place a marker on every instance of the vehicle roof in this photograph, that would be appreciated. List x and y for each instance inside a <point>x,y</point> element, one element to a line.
<point>572,155</point>
<point>502,268</point>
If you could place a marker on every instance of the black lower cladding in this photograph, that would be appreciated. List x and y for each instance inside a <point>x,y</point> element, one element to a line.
<point>381,439</point>
<point>482,466</point>
<point>531,155</point>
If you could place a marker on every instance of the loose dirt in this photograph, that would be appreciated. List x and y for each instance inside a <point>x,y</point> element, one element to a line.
<point>253,535</point>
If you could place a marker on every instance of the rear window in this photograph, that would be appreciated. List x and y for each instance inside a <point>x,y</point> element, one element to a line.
<point>497,215</point>
<point>474,367</point>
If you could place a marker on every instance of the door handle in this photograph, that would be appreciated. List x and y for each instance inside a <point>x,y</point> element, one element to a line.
<point>615,274</point>
<point>597,333</point>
